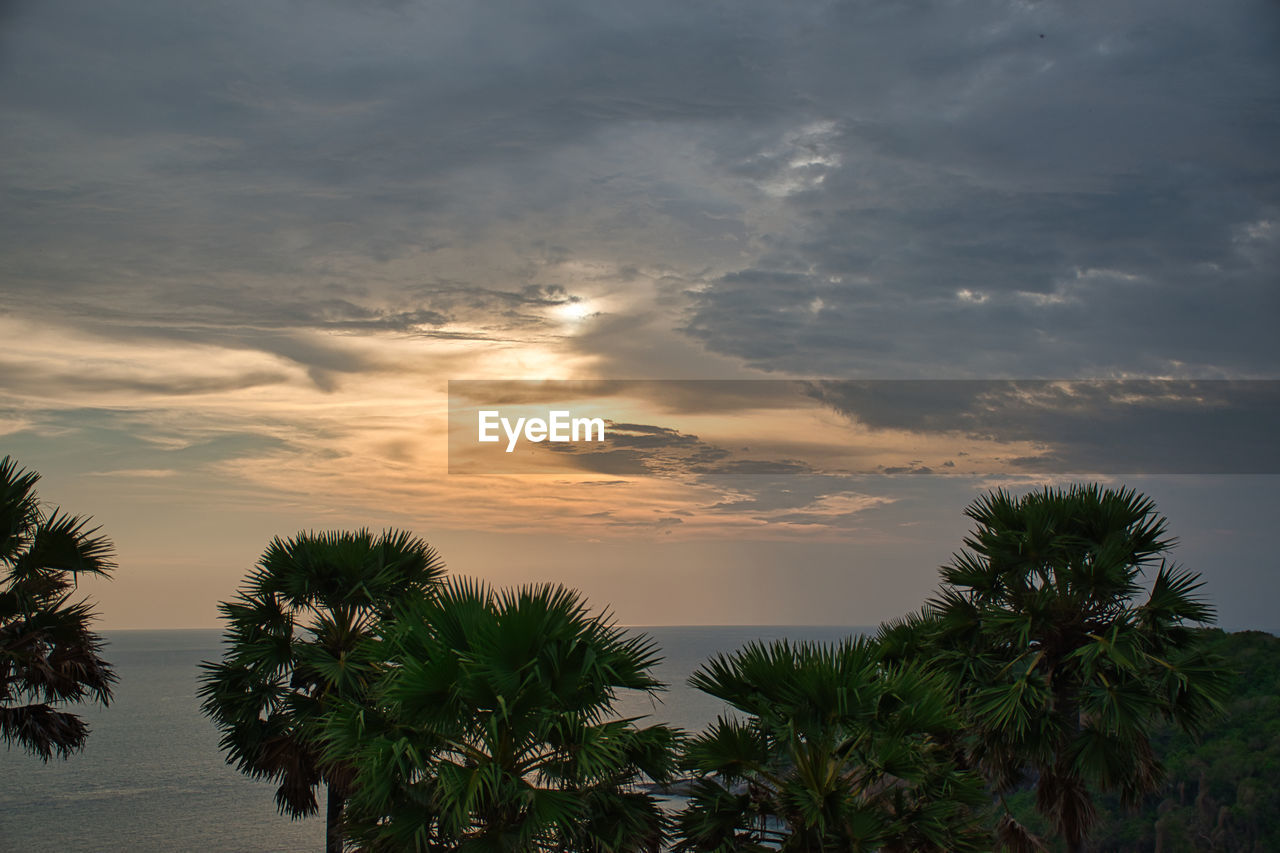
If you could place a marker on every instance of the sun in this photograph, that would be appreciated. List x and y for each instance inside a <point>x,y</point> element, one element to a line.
<point>572,312</point>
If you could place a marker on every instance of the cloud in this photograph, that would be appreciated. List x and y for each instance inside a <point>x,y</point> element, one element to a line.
<point>932,191</point>
<point>889,427</point>
<point>1108,427</point>
<point>993,203</point>
<point>639,450</point>
<point>252,242</point>
<point>23,379</point>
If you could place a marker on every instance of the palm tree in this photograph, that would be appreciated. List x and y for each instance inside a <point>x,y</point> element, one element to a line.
<point>830,751</point>
<point>48,655</point>
<point>1061,654</point>
<point>493,729</point>
<point>294,646</point>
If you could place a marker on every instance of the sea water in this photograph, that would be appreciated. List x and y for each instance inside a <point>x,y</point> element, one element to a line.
<point>152,780</point>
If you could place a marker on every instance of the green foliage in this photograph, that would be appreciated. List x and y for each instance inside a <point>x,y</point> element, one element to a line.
<point>48,655</point>
<point>1057,675</point>
<point>1061,659</point>
<point>491,729</point>
<point>294,645</point>
<point>833,752</point>
<point>1222,788</point>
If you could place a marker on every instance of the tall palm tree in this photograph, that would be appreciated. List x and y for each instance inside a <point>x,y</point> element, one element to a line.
<point>493,729</point>
<point>48,655</point>
<point>294,646</point>
<point>1063,649</point>
<point>830,751</point>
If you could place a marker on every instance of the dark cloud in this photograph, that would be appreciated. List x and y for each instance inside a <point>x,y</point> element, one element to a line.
<point>1110,427</point>
<point>928,190</point>
<point>1074,206</point>
<point>636,450</point>
<point>646,437</point>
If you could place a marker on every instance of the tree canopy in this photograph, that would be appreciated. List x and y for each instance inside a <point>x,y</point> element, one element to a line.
<point>49,657</point>
<point>1067,635</point>
<point>294,646</point>
<point>1030,698</point>
<point>831,751</point>
<point>491,728</point>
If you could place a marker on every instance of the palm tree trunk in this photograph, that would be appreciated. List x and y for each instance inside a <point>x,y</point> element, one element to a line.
<point>333,822</point>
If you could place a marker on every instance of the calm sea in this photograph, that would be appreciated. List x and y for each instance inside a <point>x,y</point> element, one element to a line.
<point>151,779</point>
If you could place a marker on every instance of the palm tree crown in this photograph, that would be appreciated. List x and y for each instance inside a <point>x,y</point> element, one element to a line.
<point>831,751</point>
<point>294,643</point>
<point>493,729</point>
<point>1062,650</point>
<point>48,655</point>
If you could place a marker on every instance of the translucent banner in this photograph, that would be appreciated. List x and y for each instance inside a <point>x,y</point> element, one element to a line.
<point>891,428</point>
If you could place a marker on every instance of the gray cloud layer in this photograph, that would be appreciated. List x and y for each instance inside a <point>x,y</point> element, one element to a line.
<point>925,189</point>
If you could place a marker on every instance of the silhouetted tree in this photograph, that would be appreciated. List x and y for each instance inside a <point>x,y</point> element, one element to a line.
<point>294,646</point>
<point>48,655</point>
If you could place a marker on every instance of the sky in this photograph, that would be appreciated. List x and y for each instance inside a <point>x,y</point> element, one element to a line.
<point>246,246</point>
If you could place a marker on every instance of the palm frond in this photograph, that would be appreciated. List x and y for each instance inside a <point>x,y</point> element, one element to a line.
<point>502,700</point>
<point>305,634</point>
<point>48,653</point>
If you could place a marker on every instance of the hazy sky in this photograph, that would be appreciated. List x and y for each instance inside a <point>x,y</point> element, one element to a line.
<point>245,245</point>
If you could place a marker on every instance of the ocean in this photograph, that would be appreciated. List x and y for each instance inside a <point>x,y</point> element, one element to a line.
<point>152,780</point>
